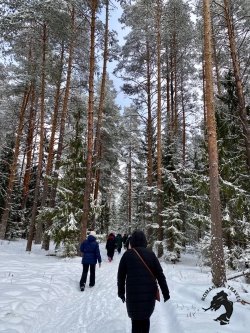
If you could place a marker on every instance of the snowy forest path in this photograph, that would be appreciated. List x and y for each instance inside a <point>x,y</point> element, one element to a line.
<point>93,310</point>
<point>41,295</point>
<point>98,309</point>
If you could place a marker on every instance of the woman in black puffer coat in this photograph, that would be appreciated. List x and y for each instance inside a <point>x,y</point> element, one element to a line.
<point>140,284</point>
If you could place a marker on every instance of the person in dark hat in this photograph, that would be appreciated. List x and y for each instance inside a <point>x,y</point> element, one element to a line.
<point>139,269</point>
<point>90,255</point>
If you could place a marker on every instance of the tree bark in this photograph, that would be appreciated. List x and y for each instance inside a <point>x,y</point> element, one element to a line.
<point>159,114</point>
<point>217,255</point>
<point>183,125</point>
<point>41,142</point>
<point>97,145</point>
<point>46,238</point>
<point>149,121</point>
<point>29,148</point>
<point>86,198</point>
<point>5,216</point>
<point>50,158</point>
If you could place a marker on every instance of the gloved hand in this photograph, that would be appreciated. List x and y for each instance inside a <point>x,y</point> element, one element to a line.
<point>166,298</point>
<point>122,297</point>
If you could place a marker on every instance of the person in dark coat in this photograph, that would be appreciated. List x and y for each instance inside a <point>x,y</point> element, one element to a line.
<point>118,241</point>
<point>140,285</point>
<point>90,255</point>
<point>110,246</point>
<point>127,244</point>
<point>124,239</point>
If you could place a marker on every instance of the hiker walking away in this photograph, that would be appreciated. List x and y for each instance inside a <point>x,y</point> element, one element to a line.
<point>118,241</point>
<point>138,270</point>
<point>110,246</point>
<point>124,239</point>
<point>90,255</point>
<point>127,244</point>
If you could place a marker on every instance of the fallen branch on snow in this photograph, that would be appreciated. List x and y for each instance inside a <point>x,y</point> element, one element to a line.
<point>244,273</point>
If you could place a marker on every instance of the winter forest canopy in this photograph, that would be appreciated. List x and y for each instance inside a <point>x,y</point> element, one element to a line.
<point>175,162</point>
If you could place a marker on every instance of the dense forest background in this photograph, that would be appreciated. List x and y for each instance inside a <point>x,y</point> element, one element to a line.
<point>72,159</point>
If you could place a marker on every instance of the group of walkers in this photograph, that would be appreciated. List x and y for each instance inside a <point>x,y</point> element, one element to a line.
<point>138,273</point>
<point>115,243</point>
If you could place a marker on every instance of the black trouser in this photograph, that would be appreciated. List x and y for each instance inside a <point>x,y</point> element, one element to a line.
<point>110,253</point>
<point>85,273</point>
<point>140,326</point>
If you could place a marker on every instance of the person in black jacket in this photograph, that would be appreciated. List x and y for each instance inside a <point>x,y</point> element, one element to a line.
<point>118,241</point>
<point>110,246</point>
<point>90,255</point>
<point>141,286</point>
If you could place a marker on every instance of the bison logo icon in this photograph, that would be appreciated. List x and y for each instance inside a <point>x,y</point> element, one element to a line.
<point>219,300</point>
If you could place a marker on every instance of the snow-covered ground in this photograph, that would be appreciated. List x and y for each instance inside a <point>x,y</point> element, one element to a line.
<point>40,294</point>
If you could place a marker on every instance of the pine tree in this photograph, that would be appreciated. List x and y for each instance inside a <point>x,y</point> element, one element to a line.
<point>67,213</point>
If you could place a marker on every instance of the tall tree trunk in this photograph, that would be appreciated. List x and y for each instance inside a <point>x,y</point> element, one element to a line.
<point>5,216</point>
<point>41,142</point>
<point>238,80</point>
<point>217,256</point>
<point>159,145</point>
<point>149,121</point>
<point>50,158</point>
<point>86,198</point>
<point>168,98</point>
<point>183,124</point>
<point>148,210</point>
<point>175,120</point>
<point>203,90</point>
<point>29,148</point>
<point>97,145</point>
<point>216,63</point>
<point>171,95</point>
<point>46,238</point>
<point>130,190</point>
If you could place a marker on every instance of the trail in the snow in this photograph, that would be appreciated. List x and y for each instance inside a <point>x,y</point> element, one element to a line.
<point>99,310</point>
<point>41,295</point>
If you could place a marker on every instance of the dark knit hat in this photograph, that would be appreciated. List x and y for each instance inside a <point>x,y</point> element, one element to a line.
<point>138,239</point>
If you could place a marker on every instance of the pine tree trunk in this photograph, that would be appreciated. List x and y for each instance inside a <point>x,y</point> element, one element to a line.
<point>183,124</point>
<point>41,142</point>
<point>87,192</point>
<point>97,146</point>
<point>159,145</point>
<point>217,255</point>
<point>168,98</point>
<point>175,120</point>
<point>216,63</point>
<point>149,122</point>
<point>50,158</point>
<point>29,148</point>
<point>46,238</point>
<point>203,90</point>
<point>171,95</point>
<point>130,190</point>
<point>5,216</point>
<point>238,80</point>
